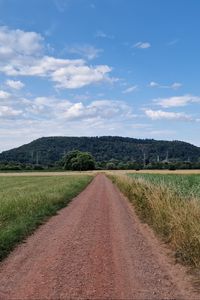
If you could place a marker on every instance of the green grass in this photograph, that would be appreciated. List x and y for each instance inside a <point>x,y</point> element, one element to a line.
<point>26,202</point>
<point>187,186</point>
<point>170,205</point>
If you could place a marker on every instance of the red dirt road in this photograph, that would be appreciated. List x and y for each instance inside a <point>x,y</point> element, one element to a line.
<point>93,249</point>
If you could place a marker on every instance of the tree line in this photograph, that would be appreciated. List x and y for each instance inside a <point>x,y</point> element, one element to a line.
<point>82,161</point>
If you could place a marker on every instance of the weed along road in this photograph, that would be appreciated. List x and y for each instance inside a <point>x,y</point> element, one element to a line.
<point>95,248</point>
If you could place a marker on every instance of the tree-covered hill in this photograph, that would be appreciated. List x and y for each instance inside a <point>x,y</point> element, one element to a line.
<point>48,150</point>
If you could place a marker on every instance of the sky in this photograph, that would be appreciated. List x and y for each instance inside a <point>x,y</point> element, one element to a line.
<point>99,67</point>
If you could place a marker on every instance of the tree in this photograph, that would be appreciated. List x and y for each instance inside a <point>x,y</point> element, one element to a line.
<point>111,166</point>
<point>78,161</point>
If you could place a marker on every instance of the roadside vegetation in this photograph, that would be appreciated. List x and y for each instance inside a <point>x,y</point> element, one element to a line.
<point>170,204</point>
<point>187,186</point>
<point>26,202</point>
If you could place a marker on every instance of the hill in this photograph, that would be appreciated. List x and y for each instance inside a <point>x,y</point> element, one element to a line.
<point>48,150</point>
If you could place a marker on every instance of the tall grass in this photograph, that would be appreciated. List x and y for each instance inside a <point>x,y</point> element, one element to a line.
<point>26,202</point>
<point>176,220</point>
<point>187,186</point>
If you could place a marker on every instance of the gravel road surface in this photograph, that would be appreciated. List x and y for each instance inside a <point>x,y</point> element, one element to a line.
<point>95,248</point>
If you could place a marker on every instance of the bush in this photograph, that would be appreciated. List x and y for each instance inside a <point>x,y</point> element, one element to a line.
<point>78,161</point>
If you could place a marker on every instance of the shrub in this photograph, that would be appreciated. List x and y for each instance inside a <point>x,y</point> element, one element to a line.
<point>78,161</point>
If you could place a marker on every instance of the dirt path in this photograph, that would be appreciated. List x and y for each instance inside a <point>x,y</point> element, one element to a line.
<point>95,248</point>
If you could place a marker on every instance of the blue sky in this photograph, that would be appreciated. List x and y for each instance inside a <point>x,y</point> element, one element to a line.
<point>99,67</point>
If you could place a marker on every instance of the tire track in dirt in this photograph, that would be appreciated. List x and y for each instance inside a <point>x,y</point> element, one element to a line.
<point>93,249</point>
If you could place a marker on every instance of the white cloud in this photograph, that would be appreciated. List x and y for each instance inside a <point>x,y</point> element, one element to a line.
<point>65,73</point>
<point>142,45</point>
<point>174,86</point>
<point>4,95</point>
<point>165,115</point>
<point>103,35</point>
<point>177,101</point>
<point>100,109</point>
<point>14,43</point>
<point>23,57</point>
<point>153,84</point>
<point>6,111</point>
<point>49,116</point>
<point>162,133</point>
<point>130,89</point>
<point>80,75</point>
<point>87,51</point>
<point>53,108</point>
<point>15,84</point>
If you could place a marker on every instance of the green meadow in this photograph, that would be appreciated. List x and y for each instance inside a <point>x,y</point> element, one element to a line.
<point>26,202</point>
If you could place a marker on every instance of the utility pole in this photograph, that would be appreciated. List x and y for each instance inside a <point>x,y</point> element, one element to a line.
<point>144,155</point>
<point>144,160</point>
<point>37,157</point>
<point>167,157</point>
<point>32,155</point>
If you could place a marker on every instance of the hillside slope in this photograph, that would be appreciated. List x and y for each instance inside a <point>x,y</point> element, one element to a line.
<point>48,150</point>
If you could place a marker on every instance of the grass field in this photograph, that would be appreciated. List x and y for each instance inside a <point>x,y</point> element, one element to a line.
<point>187,186</point>
<point>26,202</point>
<point>170,205</point>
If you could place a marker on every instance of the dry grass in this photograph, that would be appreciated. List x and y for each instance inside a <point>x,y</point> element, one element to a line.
<point>155,172</point>
<point>175,219</point>
<point>119,172</point>
<point>45,174</point>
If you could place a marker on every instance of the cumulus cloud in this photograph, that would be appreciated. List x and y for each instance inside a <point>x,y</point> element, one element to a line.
<point>80,75</point>
<point>33,115</point>
<point>165,115</point>
<point>177,101</point>
<point>142,45</point>
<point>174,86</point>
<point>76,111</point>
<point>14,84</point>
<point>104,109</point>
<point>86,51</point>
<point>64,110</point>
<point>14,43</point>
<point>23,56</point>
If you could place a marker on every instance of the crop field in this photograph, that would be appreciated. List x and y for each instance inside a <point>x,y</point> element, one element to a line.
<point>187,186</point>
<point>145,171</point>
<point>170,205</point>
<point>26,202</point>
